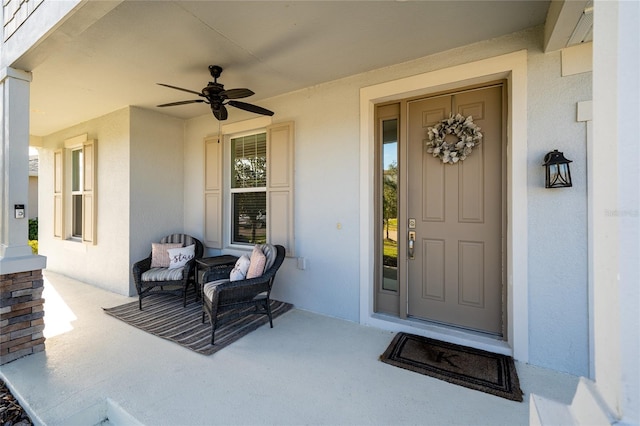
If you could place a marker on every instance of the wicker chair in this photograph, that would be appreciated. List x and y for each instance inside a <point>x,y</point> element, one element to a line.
<point>147,284</point>
<point>221,295</point>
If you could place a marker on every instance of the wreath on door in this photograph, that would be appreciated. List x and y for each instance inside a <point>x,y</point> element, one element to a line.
<point>464,129</point>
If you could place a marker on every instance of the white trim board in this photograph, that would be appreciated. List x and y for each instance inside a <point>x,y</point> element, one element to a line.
<point>513,67</point>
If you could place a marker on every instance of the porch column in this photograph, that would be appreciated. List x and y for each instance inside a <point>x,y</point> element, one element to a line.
<point>15,252</point>
<point>616,221</point>
<point>21,303</point>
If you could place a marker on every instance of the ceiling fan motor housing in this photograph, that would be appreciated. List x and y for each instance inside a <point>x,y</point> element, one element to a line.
<point>213,89</point>
<point>217,97</point>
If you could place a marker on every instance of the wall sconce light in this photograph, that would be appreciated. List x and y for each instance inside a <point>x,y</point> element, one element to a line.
<point>557,172</point>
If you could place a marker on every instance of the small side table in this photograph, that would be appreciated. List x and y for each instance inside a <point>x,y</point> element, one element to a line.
<point>207,264</point>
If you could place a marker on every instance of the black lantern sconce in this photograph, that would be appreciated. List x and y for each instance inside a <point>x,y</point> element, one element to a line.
<point>556,170</point>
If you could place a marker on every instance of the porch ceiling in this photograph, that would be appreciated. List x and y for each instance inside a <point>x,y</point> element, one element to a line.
<point>270,47</point>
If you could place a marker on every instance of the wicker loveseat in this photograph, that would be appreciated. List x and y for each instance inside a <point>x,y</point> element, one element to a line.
<point>151,276</point>
<point>220,294</point>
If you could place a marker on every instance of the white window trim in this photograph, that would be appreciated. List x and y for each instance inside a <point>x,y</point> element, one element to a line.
<point>70,145</point>
<point>74,193</point>
<point>228,191</point>
<point>89,192</point>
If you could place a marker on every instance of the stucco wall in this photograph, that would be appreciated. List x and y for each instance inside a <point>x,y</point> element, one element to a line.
<point>558,280</point>
<point>102,264</point>
<point>327,178</point>
<point>157,181</point>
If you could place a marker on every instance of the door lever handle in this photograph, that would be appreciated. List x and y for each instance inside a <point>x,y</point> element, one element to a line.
<point>412,242</point>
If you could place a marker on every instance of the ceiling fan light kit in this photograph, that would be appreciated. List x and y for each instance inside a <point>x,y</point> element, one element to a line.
<point>217,98</point>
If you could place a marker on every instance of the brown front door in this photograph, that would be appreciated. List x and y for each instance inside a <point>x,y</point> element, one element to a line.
<point>456,275</point>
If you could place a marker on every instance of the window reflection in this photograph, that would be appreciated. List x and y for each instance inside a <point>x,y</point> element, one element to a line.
<point>390,204</point>
<point>248,189</point>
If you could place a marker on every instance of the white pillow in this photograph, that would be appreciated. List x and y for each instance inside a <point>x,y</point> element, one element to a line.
<point>178,257</point>
<point>239,272</point>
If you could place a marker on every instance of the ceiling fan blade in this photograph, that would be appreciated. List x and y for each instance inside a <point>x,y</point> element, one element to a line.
<point>194,101</point>
<point>236,93</point>
<point>221,114</point>
<point>180,88</point>
<point>251,108</point>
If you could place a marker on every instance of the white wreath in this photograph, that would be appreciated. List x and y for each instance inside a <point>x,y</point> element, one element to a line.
<point>467,132</point>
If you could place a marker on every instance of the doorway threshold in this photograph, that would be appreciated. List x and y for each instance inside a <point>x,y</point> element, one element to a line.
<point>441,332</point>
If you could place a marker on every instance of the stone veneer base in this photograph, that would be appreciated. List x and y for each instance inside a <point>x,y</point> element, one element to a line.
<point>21,315</point>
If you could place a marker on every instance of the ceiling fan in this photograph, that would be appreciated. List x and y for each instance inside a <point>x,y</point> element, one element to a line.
<point>215,95</point>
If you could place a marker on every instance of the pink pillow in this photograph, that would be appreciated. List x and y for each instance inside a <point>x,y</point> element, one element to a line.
<point>258,260</point>
<point>160,255</point>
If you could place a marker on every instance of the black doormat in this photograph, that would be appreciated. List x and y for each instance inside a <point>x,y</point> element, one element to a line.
<point>164,316</point>
<point>472,368</point>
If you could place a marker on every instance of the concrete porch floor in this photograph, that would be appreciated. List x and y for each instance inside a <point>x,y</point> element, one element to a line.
<point>308,369</point>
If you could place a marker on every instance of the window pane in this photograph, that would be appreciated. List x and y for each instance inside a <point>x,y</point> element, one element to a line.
<point>250,217</point>
<point>390,204</point>
<point>76,191</point>
<point>249,160</point>
<point>76,163</point>
<point>76,226</point>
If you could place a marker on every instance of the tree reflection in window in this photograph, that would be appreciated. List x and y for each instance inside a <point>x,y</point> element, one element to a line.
<point>248,189</point>
<point>390,204</point>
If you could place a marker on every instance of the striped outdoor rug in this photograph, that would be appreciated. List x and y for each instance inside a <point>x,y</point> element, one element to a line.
<point>164,316</point>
